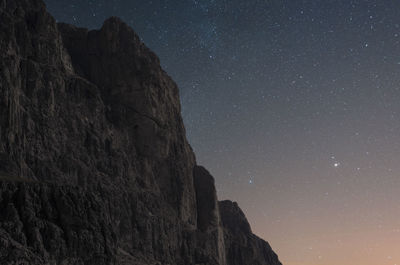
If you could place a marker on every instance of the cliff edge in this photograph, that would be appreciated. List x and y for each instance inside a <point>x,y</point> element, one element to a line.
<point>95,167</point>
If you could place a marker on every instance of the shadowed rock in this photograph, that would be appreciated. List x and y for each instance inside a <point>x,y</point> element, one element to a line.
<point>242,246</point>
<point>95,167</point>
<point>211,246</point>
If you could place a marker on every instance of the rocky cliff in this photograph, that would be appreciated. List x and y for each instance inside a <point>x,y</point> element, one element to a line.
<point>242,246</point>
<point>95,167</point>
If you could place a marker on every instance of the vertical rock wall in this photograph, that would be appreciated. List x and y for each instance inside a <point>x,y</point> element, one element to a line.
<point>95,167</point>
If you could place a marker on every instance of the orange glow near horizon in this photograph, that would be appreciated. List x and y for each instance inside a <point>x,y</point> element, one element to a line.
<point>368,234</point>
<point>365,247</point>
<point>357,223</point>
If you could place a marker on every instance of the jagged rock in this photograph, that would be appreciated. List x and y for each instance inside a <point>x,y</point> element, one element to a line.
<point>95,167</point>
<point>242,246</point>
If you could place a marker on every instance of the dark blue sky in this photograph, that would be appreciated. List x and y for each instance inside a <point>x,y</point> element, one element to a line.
<point>294,108</point>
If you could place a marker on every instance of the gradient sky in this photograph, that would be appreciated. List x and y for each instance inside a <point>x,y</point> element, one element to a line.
<point>293,106</point>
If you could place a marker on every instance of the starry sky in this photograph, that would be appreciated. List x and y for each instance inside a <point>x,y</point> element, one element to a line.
<point>294,108</point>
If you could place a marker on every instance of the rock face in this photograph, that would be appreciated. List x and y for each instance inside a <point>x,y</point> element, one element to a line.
<point>242,246</point>
<point>95,167</point>
<point>210,234</point>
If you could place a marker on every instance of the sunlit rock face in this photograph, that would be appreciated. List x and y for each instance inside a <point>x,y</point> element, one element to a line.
<point>95,167</point>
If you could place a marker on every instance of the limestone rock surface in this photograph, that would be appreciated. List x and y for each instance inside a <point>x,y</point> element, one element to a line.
<point>242,246</point>
<point>95,167</point>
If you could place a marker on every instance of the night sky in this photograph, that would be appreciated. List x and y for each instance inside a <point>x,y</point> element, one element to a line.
<point>293,106</point>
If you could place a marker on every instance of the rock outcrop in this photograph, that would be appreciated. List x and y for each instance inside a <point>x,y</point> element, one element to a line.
<point>242,246</point>
<point>210,233</point>
<point>95,167</point>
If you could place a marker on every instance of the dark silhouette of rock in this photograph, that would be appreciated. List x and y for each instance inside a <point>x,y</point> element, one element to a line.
<point>242,246</point>
<point>95,167</point>
<point>210,235</point>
